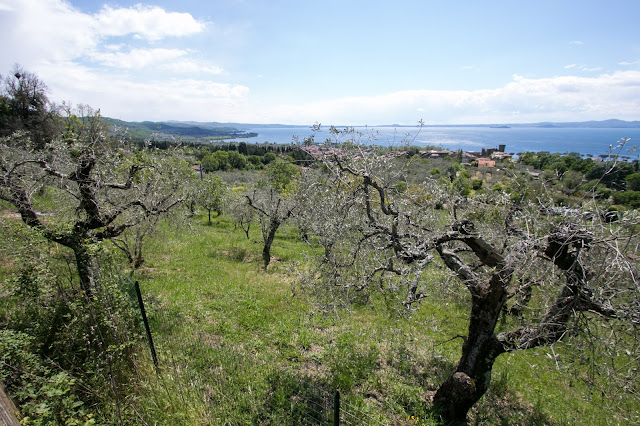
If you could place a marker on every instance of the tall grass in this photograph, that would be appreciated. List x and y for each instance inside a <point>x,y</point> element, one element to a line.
<point>223,323</point>
<point>241,345</point>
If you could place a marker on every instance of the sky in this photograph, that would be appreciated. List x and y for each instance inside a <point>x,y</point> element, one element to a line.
<point>343,62</point>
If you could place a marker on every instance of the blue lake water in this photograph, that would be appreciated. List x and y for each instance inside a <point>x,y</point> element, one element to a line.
<point>516,139</point>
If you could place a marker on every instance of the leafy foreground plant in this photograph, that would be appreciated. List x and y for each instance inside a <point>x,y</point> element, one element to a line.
<point>66,358</point>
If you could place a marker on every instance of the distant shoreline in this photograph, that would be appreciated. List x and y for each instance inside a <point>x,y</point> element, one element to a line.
<point>597,141</point>
<point>593,124</point>
<point>604,124</point>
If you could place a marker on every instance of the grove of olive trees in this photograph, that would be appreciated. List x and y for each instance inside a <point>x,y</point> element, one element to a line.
<point>532,264</point>
<point>549,277</point>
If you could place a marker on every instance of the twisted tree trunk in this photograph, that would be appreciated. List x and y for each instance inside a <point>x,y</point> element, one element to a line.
<point>88,268</point>
<point>472,376</point>
<point>270,236</point>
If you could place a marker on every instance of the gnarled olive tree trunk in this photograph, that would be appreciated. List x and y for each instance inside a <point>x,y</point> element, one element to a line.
<point>87,266</point>
<point>472,376</point>
<point>390,240</point>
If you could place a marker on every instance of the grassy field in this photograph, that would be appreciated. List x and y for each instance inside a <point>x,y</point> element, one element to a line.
<point>241,345</point>
<point>238,344</point>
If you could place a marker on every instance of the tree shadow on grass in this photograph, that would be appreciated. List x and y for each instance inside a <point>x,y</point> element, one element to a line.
<point>294,400</point>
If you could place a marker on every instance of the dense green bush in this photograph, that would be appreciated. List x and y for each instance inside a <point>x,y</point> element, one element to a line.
<point>45,394</point>
<point>633,182</point>
<point>627,198</point>
<point>611,174</point>
<point>221,160</point>
<point>62,352</point>
<point>557,162</point>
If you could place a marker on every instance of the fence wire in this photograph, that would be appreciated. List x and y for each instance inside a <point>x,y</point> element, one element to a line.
<point>221,379</point>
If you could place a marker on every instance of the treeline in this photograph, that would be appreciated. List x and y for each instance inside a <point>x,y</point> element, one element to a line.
<point>618,180</point>
<point>244,156</point>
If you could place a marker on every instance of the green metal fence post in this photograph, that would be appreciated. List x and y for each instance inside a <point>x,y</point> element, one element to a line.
<point>146,325</point>
<point>336,409</point>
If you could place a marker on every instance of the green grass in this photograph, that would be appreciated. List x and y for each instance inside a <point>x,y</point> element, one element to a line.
<point>238,345</point>
<point>208,289</point>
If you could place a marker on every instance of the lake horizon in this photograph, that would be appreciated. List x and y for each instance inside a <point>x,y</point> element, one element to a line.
<point>585,141</point>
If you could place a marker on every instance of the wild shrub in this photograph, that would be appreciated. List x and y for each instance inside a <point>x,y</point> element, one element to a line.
<point>65,357</point>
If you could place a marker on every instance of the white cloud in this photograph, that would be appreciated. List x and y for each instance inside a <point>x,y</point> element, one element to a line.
<point>566,98</point>
<point>175,61</point>
<point>51,29</point>
<point>584,68</point>
<point>137,58</point>
<point>118,96</point>
<point>37,31</point>
<point>576,43</point>
<point>90,58</point>
<point>151,23</point>
<point>192,67</point>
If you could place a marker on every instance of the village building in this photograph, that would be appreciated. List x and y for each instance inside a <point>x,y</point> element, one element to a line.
<point>486,162</point>
<point>500,156</point>
<point>439,154</point>
<point>469,156</point>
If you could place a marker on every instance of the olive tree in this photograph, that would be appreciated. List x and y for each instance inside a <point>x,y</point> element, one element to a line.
<point>212,194</point>
<point>273,210</point>
<point>176,175</point>
<point>554,276</point>
<point>318,201</point>
<point>84,187</point>
<point>274,201</point>
<point>241,213</point>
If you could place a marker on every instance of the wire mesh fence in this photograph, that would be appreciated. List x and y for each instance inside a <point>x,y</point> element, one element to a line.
<point>235,386</point>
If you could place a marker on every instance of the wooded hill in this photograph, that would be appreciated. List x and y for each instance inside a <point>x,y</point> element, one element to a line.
<point>154,130</point>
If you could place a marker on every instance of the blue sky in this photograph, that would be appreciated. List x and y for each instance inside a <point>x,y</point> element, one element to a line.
<point>334,62</point>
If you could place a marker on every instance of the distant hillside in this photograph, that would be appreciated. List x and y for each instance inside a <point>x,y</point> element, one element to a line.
<point>169,130</point>
<point>241,126</point>
<point>605,124</point>
<point>205,131</point>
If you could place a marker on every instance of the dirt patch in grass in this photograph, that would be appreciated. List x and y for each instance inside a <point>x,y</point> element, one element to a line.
<point>147,271</point>
<point>10,215</point>
<point>16,215</point>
